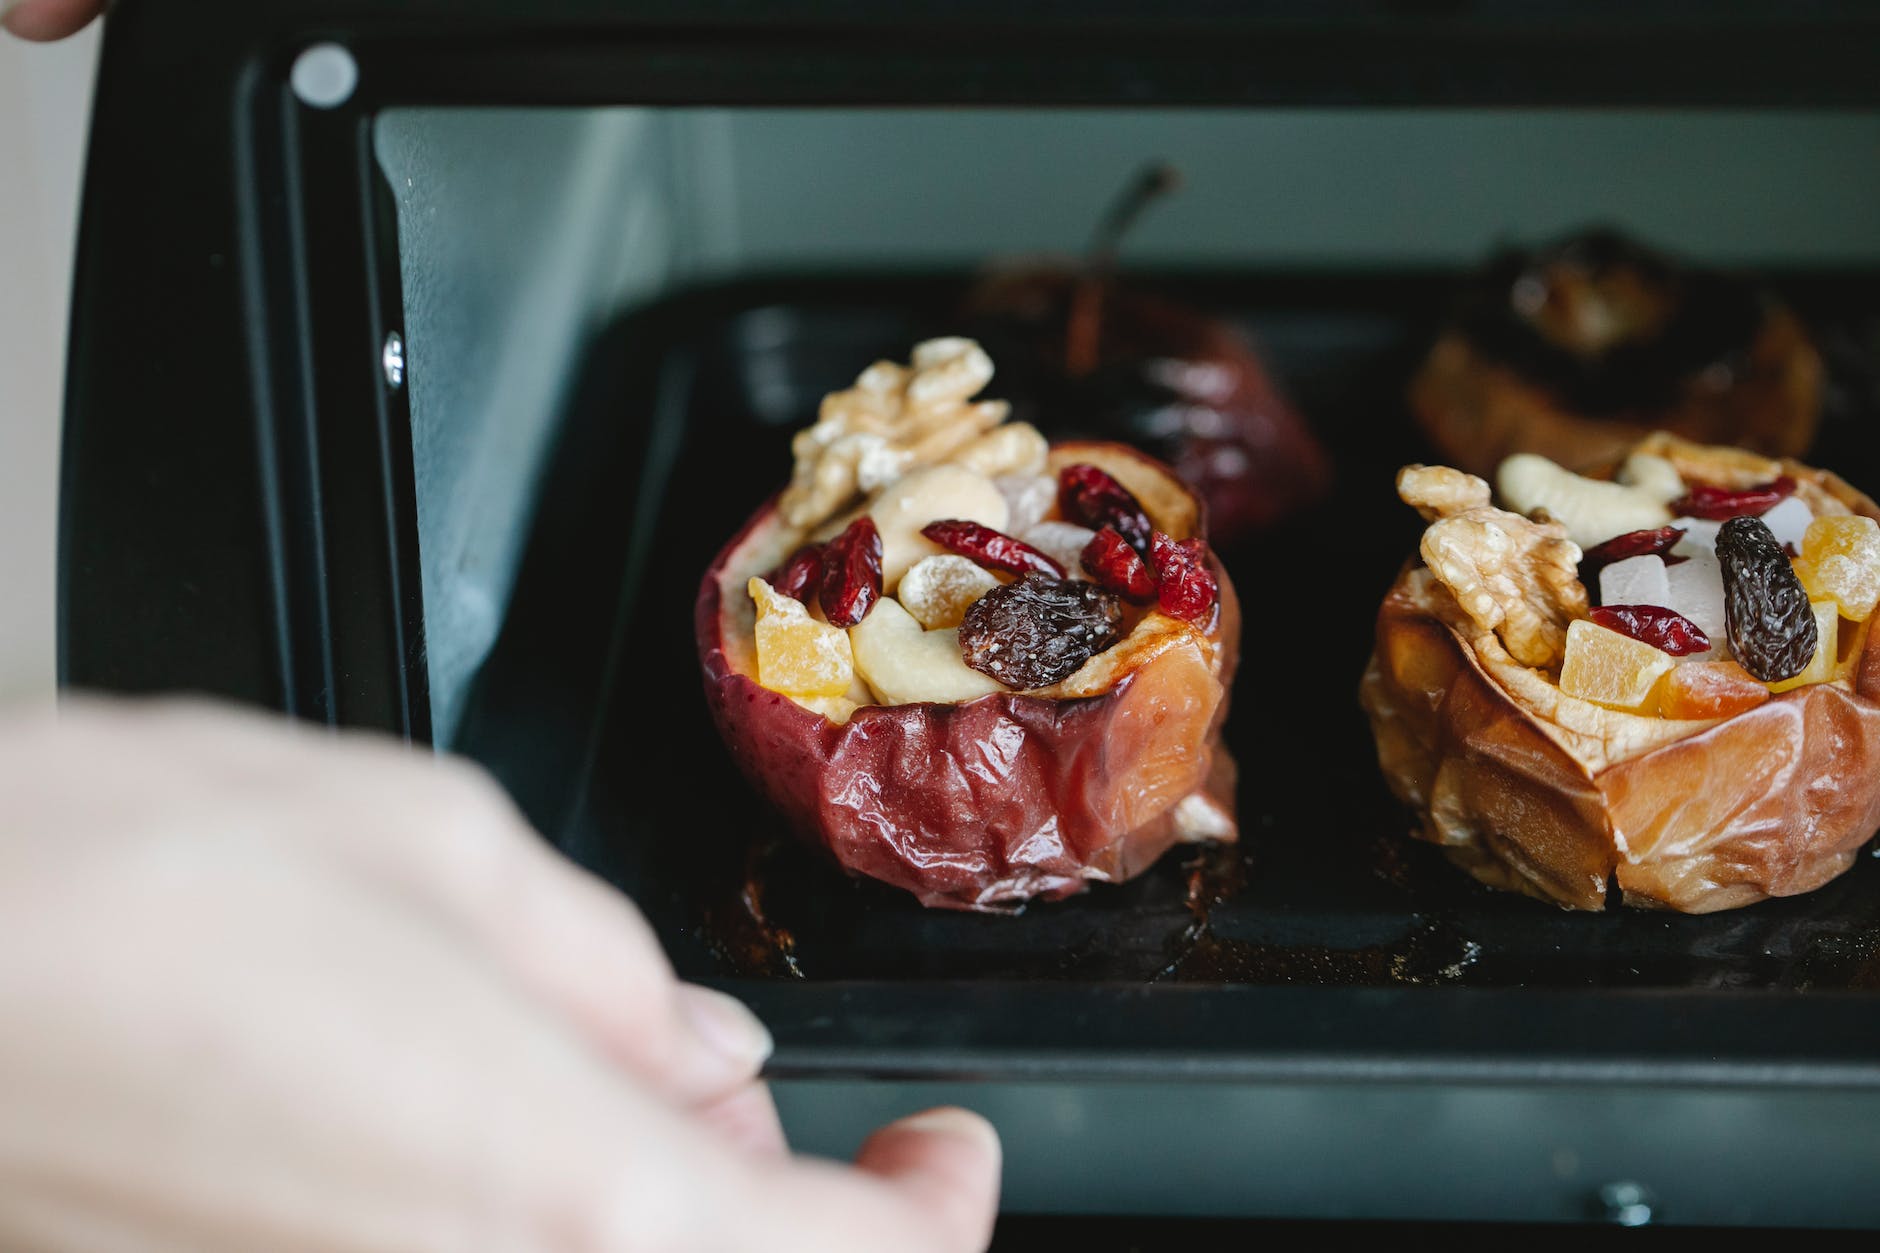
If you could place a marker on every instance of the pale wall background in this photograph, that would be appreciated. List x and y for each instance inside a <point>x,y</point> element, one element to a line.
<point>45,100</point>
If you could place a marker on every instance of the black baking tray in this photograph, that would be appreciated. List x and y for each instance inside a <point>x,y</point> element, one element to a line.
<point>1326,944</point>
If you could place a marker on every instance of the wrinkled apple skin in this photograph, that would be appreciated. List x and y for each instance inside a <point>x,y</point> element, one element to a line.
<point>989,803</point>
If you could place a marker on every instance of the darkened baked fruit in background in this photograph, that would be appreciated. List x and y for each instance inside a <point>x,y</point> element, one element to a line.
<point>1576,350</point>
<point>1085,354</point>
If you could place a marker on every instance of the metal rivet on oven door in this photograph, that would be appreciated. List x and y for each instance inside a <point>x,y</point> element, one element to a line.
<point>1626,1203</point>
<point>393,360</point>
<point>324,76</point>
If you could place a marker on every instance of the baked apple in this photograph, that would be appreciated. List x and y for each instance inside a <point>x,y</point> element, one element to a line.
<point>965,662</point>
<point>1661,683</point>
<point>1577,350</point>
<point>1087,353</point>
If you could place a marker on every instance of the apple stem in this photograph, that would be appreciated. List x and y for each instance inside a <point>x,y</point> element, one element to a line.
<point>1084,330</point>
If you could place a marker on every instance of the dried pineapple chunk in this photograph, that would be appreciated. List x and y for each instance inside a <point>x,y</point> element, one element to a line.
<point>1827,648</point>
<point>1611,669</point>
<point>796,654</point>
<point>1840,562</point>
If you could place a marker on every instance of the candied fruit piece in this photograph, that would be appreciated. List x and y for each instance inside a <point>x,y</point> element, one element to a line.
<point>1634,581</point>
<point>1841,562</point>
<point>1789,522</point>
<point>1694,589</point>
<point>1028,497</point>
<point>1633,545</point>
<point>1710,689</point>
<point>1611,669</point>
<point>1821,666</point>
<point>1063,542</point>
<point>796,654</point>
<point>939,590</point>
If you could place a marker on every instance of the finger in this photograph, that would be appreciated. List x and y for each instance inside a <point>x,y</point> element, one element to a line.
<point>48,19</point>
<point>945,1163</point>
<point>442,835</point>
<point>563,934</point>
<point>926,1184</point>
<point>747,1119</point>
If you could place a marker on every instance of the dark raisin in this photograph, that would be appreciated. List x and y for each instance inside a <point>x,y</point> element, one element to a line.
<point>1707,500</point>
<point>1653,543</point>
<point>1039,630</point>
<point>851,578</point>
<point>1114,566</point>
<point>1765,609</point>
<point>1187,589</point>
<point>1091,497</point>
<point>1664,629</point>
<point>800,575</point>
<point>994,549</point>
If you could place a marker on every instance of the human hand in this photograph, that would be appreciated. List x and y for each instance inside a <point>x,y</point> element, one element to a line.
<point>48,19</point>
<point>267,987</point>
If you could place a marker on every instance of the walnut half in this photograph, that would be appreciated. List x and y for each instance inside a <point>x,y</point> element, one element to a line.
<point>897,417</point>
<point>1514,576</point>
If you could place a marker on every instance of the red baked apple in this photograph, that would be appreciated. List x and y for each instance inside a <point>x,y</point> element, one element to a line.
<point>1002,795</point>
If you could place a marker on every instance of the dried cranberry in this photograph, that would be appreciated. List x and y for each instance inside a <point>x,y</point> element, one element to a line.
<point>1664,629</point>
<point>1706,500</point>
<point>1039,630</point>
<point>1187,588</point>
<point>1765,609</point>
<point>1652,543</point>
<point>994,549</point>
<point>1091,497</point>
<point>851,577</point>
<point>798,576</point>
<point>1114,566</point>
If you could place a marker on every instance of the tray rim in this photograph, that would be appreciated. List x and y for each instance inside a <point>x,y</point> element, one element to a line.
<point>971,1031</point>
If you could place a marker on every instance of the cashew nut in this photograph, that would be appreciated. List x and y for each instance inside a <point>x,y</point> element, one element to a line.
<point>904,663</point>
<point>1592,510</point>
<point>930,495</point>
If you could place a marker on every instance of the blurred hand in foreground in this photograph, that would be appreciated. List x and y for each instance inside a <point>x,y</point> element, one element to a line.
<point>268,987</point>
<point>45,20</point>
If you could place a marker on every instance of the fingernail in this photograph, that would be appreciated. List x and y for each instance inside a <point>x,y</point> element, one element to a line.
<point>952,1121</point>
<point>726,1025</point>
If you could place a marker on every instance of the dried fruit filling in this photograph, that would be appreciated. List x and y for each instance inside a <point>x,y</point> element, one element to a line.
<point>1039,630</point>
<point>938,553</point>
<point>1693,599</point>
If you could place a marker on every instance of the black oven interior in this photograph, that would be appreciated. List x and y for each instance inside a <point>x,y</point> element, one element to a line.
<point>614,319</point>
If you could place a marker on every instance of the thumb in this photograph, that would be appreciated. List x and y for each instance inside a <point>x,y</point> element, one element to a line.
<point>45,20</point>
<point>925,1184</point>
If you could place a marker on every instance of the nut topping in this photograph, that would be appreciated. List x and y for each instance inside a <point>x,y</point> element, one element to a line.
<point>895,418</point>
<point>1511,575</point>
